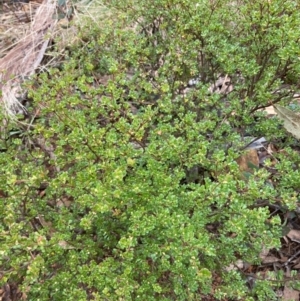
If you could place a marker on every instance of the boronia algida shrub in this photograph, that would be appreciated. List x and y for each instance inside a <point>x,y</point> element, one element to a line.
<point>125,185</point>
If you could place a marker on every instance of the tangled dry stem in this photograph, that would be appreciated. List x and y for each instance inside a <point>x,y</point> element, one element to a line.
<point>23,59</point>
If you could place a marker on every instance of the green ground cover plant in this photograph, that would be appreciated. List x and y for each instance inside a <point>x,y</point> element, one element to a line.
<point>123,184</point>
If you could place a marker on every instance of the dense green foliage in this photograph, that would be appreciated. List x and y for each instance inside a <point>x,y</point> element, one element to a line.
<point>126,188</point>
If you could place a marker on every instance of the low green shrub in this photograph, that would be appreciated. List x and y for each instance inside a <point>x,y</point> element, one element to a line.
<point>125,186</point>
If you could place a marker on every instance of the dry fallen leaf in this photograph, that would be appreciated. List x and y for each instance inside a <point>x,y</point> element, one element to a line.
<point>294,235</point>
<point>270,259</point>
<point>264,253</point>
<point>64,245</point>
<point>238,265</point>
<point>248,161</point>
<point>64,202</point>
<point>290,294</point>
<point>270,110</point>
<point>291,121</point>
<point>297,266</point>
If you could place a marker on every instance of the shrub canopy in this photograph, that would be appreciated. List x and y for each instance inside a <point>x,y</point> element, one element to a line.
<point>125,185</point>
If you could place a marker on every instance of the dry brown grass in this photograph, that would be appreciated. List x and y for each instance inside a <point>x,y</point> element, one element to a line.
<point>25,33</point>
<point>21,58</point>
